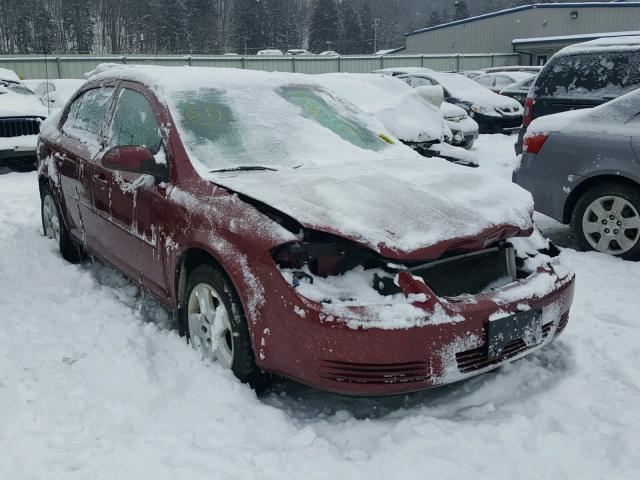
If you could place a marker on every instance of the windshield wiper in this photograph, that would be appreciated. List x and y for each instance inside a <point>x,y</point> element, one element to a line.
<point>243,168</point>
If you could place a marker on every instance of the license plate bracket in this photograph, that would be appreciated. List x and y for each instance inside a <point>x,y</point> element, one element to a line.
<point>522,325</point>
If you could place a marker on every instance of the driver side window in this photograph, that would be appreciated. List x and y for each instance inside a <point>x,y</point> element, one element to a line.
<point>134,122</point>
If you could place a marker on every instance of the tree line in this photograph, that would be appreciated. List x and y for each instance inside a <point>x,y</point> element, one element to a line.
<point>220,26</point>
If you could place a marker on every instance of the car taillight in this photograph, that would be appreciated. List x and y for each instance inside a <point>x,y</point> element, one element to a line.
<point>533,143</point>
<point>528,111</point>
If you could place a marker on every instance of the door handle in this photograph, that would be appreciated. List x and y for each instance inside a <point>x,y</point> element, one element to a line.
<point>101,178</point>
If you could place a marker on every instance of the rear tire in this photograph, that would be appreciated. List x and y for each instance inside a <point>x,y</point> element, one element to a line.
<point>606,218</point>
<point>213,321</point>
<point>53,227</point>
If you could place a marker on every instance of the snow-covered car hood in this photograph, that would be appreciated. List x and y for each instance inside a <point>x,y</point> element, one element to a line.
<point>404,111</point>
<point>17,105</point>
<point>491,101</point>
<point>405,209</point>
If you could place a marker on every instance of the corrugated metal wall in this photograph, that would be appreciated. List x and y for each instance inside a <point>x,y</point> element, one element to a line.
<point>494,34</point>
<point>75,66</point>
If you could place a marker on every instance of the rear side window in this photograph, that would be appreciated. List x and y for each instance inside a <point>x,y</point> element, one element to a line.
<point>485,81</point>
<point>594,75</point>
<point>134,122</point>
<point>503,81</point>
<point>88,113</point>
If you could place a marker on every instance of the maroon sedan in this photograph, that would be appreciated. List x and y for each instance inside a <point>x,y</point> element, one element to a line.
<point>292,235</point>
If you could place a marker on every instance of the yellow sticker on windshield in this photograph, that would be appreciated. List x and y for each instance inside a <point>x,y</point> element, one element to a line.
<point>386,138</point>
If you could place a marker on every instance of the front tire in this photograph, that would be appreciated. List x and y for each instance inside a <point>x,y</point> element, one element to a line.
<point>606,219</point>
<point>54,228</point>
<point>213,321</point>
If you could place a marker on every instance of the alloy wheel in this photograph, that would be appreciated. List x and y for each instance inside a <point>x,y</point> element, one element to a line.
<point>51,219</point>
<point>210,329</point>
<point>611,224</point>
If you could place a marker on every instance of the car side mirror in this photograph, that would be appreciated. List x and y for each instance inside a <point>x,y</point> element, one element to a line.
<point>134,159</point>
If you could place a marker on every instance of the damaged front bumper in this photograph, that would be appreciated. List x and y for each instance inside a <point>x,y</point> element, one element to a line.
<point>364,350</point>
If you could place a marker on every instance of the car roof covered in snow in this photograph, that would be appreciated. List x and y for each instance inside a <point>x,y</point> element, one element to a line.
<point>631,42</point>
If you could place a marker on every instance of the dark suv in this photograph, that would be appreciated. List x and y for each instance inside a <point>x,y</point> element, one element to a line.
<point>582,76</point>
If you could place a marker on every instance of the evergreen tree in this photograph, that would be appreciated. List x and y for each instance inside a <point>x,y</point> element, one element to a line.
<point>323,30</point>
<point>199,21</point>
<point>45,32</point>
<point>78,21</point>
<point>366,20</point>
<point>248,28</point>
<point>170,26</point>
<point>351,36</point>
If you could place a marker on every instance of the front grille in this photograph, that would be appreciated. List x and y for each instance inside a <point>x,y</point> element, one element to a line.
<point>470,273</point>
<point>18,126</point>
<point>374,374</point>
<point>477,358</point>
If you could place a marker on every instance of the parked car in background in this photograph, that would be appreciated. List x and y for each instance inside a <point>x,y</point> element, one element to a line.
<point>412,116</point>
<point>21,113</point>
<point>472,73</point>
<point>270,51</point>
<point>55,92</point>
<point>583,75</point>
<point>298,51</point>
<point>519,90</point>
<point>534,69</point>
<point>290,236</point>
<point>464,129</point>
<point>499,80</point>
<point>494,113</point>
<point>329,53</point>
<point>583,169</point>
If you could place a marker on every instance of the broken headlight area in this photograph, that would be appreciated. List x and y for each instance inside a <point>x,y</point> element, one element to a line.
<point>323,255</point>
<point>329,269</point>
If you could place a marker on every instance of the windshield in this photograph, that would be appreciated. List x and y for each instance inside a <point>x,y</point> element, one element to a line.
<point>274,127</point>
<point>15,88</point>
<point>457,83</point>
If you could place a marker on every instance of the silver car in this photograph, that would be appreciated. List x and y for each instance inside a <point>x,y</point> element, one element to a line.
<point>583,169</point>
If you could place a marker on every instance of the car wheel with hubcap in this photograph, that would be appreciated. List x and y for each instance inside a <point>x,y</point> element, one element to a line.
<point>55,229</point>
<point>607,219</point>
<point>213,320</point>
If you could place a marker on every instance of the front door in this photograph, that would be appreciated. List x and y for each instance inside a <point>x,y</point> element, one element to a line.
<point>136,201</point>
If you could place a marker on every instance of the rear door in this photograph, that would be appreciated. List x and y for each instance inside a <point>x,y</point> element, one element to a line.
<point>80,143</point>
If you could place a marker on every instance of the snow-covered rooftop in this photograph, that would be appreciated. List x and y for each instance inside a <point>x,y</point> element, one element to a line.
<point>581,36</point>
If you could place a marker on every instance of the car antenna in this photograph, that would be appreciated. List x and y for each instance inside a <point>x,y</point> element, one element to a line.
<point>46,75</point>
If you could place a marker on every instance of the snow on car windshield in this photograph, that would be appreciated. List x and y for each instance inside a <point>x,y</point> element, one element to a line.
<point>226,128</point>
<point>457,83</point>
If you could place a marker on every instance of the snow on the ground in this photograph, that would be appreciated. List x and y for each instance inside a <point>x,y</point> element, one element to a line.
<point>95,385</point>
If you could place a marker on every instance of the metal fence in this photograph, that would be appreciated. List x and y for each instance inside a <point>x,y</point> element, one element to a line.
<point>75,66</point>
